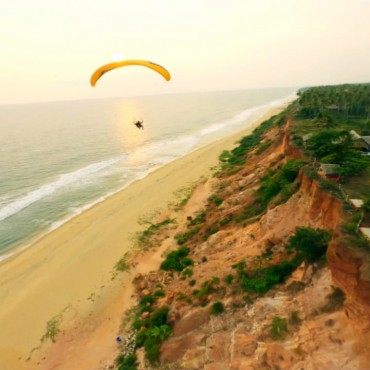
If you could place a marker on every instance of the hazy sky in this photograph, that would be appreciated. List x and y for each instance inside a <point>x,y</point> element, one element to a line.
<point>50,48</point>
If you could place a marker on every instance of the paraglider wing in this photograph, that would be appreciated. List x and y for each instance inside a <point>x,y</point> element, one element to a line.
<point>108,67</point>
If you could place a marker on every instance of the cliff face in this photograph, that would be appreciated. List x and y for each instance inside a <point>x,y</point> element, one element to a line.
<point>309,206</point>
<point>350,267</point>
<point>319,334</point>
<point>350,271</point>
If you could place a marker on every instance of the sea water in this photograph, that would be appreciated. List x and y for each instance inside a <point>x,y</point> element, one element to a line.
<point>57,159</point>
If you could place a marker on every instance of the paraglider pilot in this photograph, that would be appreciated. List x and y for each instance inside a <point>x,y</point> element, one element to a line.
<point>139,125</point>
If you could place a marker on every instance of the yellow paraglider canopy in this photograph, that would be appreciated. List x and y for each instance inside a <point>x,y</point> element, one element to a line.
<point>108,67</point>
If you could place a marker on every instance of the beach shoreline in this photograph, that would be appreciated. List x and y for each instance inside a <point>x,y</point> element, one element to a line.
<point>66,279</point>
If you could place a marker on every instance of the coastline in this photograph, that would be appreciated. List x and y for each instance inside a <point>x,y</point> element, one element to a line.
<point>66,277</point>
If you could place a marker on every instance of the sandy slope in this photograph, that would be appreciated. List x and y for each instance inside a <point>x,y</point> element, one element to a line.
<point>66,278</point>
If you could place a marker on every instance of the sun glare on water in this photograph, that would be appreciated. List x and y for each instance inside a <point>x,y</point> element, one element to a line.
<point>117,56</point>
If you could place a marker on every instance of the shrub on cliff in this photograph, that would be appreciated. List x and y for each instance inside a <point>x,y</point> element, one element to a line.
<point>152,332</point>
<point>217,308</point>
<point>238,155</point>
<point>275,181</point>
<point>182,238</point>
<point>177,260</point>
<point>310,244</point>
<point>128,362</point>
<point>366,206</point>
<point>263,279</point>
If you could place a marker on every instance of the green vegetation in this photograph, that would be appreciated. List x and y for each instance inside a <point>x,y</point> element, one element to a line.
<point>188,272</point>
<point>154,227</point>
<point>279,327</point>
<point>199,219</point>
<point>214,199</point>
<point>280,181</point>
<point>184,194</point>
<point>295,319</point>
<point>209,286</point>
<point>177,260</point>
<point>366,205</point>
<point>159,293</point>
<point>248,299</point>
<point>351,226</point>
<point>249,211</point>
<point>263,147</point>
<point>217,308</point>
<point>128,362</point>
<point>329,114</point>
<point>122,264</point>
<point>53,327</point>
<point>224,156</point>
<point>333,103</point>
<point>338,147</point>
<point>275,181</point>
<point>229,279</point>
<point>261,280</point>
<point>238,155</point>
<point>144,238</point>
<point>335,300</point>
<point>323,125</point>
<point>309,244</point>
<point>182,238</point>
<point>152,332</point>
<point>210,231</point>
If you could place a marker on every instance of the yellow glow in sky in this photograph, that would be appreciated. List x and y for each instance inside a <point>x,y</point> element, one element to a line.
<point>49,49</point>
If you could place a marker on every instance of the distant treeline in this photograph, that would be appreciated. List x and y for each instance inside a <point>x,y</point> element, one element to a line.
<point>348,100</point>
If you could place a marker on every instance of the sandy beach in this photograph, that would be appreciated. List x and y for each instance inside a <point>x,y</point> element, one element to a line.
<point>67,278</point>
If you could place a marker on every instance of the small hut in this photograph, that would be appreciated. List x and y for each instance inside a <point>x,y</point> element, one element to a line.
<point>307,137</point>
<point>329,171</point>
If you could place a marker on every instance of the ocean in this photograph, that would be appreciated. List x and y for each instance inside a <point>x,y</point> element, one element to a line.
<point>57,159</point>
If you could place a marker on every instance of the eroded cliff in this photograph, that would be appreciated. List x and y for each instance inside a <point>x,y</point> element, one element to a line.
<point>305,322</point>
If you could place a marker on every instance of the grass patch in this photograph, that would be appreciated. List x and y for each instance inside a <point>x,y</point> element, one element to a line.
<point>279,327</point>
<point>263,147</point>
<point>199,219</point>
<point>143,238</point>
<point>209,286</point>
<point>122,264</point>
<point>52,328</point>
<point>183,195</point>
<point>182,238</point>
<point>128,362</point>
<point>210,231</point>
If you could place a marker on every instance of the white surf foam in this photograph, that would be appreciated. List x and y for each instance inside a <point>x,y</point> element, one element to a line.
<point>48,189</point>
